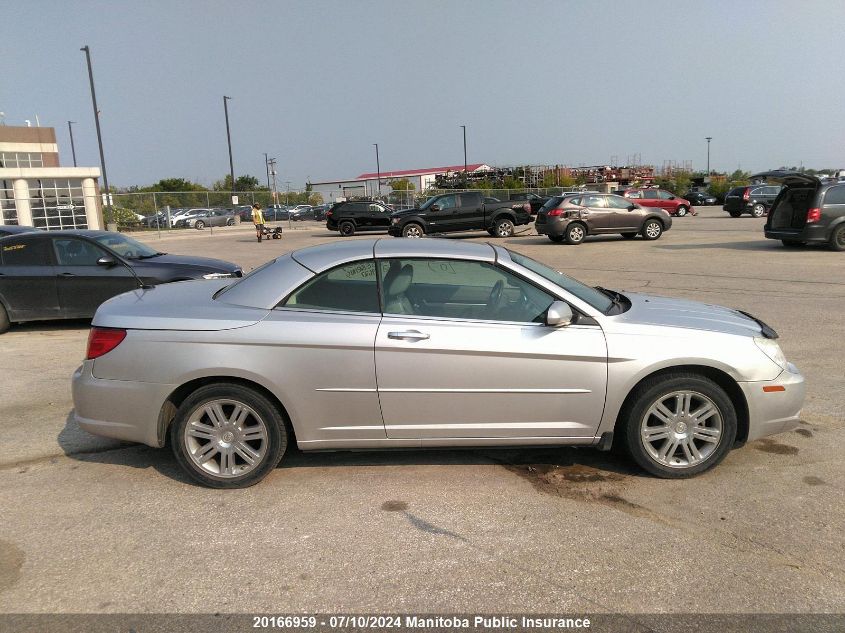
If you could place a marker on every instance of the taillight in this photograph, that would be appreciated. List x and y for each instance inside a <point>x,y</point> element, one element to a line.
<point>527,207</point>
<point>328,214</point>
<point>814,215</point>
<point>746,193</point>
<point>555,213</point>
<point>102,340</point>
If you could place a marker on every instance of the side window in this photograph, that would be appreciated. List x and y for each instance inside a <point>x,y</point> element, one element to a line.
<point>347,288</point>
<point>772,191</point>
<point>23,252</point>
<point>595,201</point>
<point>470,199</point>
<point>461,290</point>
<point>757,191</point>
<point>376,208</point>
<point>74,252</point>
<point>636,195</point>
<point>618,202</point>
<point>665,195</point>
<point>575,201</point>
<point>835,195</point>
<point>447,202</point>
<point>650,194</point>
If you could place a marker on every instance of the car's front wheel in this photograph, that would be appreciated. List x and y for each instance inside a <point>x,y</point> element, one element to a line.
<point>228,436</point>
<point>413,230</point>
<point>837,238</point>
<point>758,210</point>
<point>678,425</point>
<point>652,230</point>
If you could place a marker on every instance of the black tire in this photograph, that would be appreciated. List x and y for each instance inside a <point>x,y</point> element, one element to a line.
<point>652,229</point>
<point>557,239</point>
<point>230,222</point>
<point>413,230</point>
<point>681,211</point>
<point>837,239</point>
<point>503,228</point>
<point>276,435</point>
<point>4,319</point>
<point>199,225</point>
<point>629,236</point>
<point>575,233</point>
<point>735,214</point>
<point>346,228</point>
<point>758,210</point>
<point>634,418</point>
<point>793,243</point>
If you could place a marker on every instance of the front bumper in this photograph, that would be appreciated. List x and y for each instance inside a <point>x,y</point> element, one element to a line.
<point>774,406</point>
<point>120,409</point>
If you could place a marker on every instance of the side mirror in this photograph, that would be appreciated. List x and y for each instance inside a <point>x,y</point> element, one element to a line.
<point>107,261</point>
<point>631,207</point>
<point>559,314</point>
<point>671,197</point>
<point>435,207</point>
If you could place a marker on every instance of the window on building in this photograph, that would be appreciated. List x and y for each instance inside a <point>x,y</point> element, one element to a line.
<point>21,159</point>
<point>7,202</point>
<point>57,203</point>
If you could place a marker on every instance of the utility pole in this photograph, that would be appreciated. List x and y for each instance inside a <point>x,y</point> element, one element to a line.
<point>72,147</point>
<point>229,140</point>
<point>271,169</point>
<point>267,165</point>
<point>708,138</point>
<point>287,195</point>
<point>465,154</point>
<point>378,172</point>
<point>97,123</point>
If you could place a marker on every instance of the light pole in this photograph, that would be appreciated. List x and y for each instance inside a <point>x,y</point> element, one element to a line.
<point>72,147</point>
<point>97,123</point>
<point>465,153</point>
<point>708,139</point>
<point>267,165</point>
<point>271,166</point>
<point>378,172</point>
<point>229,140</point>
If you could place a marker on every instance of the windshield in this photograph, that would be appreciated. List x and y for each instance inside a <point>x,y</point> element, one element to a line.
<point>126,246</point>
<point>595,298</point>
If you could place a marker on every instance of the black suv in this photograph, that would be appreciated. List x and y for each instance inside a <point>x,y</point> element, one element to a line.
<point>700,198</point>
<point>358,215</point>
<point>807,210</point>
<point>753,199</point>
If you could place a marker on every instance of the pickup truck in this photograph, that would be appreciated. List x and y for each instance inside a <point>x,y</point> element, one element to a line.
<point>451,212</point>
<point>536,201</point>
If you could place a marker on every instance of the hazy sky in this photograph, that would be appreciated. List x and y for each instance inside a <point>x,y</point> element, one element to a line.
<point>316,83</point>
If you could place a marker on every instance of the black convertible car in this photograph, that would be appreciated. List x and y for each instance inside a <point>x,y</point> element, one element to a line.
<point>68,274</point>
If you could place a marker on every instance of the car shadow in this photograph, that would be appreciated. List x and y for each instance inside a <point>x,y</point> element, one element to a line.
<point>63,325</point>
<point>83,447</point>
<point>756,245</point>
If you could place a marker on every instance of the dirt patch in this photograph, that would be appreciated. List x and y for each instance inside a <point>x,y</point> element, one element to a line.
<point>812,480</point>
<point>11,561</point>
<point>804,432</point>
<point>774,447</point>
<point>394,506</point>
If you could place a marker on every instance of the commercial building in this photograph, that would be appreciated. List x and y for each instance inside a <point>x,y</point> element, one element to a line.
<point>36,191</point>
<point>377,184</point>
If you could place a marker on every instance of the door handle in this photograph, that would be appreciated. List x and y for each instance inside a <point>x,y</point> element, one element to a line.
<point>411,335</point>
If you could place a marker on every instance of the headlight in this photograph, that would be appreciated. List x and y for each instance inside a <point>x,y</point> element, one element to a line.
<point>218,276</point>
<point>771,349</point>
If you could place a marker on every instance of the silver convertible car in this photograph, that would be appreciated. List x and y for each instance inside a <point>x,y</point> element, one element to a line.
<point>375,344</point>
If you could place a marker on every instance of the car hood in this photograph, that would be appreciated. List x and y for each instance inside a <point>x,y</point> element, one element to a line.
<point>787,177</point>
<point>189,261</point>
<point>184,305</point>
<point>405,212</point>
<point>681,313</point>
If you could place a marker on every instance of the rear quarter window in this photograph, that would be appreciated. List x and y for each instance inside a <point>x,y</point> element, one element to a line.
<point>835,195</point>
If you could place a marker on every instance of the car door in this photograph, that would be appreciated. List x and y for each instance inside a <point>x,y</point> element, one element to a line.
<point>444,219</point>
<point>470,213</point>
<point>650,198</point>
<point>28,278</point>
<point>380,216</point>
<point>599,218</point>
<point>82,284</point>
<point>667,201</point>
<point>623,217</point>
<point>326,330</point>
<point>495,373</point>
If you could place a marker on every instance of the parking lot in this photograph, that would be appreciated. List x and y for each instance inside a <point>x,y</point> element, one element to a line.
<point>89,525</point>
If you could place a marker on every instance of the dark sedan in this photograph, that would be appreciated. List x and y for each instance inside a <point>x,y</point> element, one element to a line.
<point>14,229</point>
<point>68,274</point>
<point>701,198</point>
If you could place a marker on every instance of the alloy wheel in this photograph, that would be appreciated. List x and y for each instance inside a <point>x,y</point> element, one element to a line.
<point>653,230</point>
<point>413,231</point>
<point>681,429</point>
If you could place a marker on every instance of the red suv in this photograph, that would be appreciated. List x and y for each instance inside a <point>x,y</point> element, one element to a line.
<point>650,197</point>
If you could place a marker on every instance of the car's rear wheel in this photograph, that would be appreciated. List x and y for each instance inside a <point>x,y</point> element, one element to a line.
<point>346,228</point>
<point>557,239</point>
<point>200,224</point>
<point>681,211</point>
<point>837,238</point>
<point>504,228</point>
<point>652,230</point>
<point>735,214</point>
<point>4,319</point>
<point>629,236</point>
<point>575,233</point>
<point>758,210</point>
<point>228,436</point>
<point>413,230</point>
<point>793,243</point>
<point>678,425</point>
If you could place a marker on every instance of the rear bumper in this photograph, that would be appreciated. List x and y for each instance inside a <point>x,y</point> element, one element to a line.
<point>120,409</point>
<point>810,233</point>
<point>771,411</point>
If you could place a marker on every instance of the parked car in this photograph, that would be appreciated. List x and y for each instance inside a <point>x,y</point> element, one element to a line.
<point>274,213</point>
<point>451,212</point>
<point>666,200</point>
<point>573,217</point>
<point>753,199</point>
<point>320,212</point>
<point>536,201</point>
<point>178,220</point>
<point>14,229</point>
<point>376,344</point>
<point>807,210</point>
<point>302,212</point>
<point>358,215</point>
<point>214,217</point>
<point>701,198</point>
<point>154,221</point>
<point>67,274</point>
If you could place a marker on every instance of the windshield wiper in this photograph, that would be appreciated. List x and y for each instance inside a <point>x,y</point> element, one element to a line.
<point>614,296</point>
<point>148,256</point>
